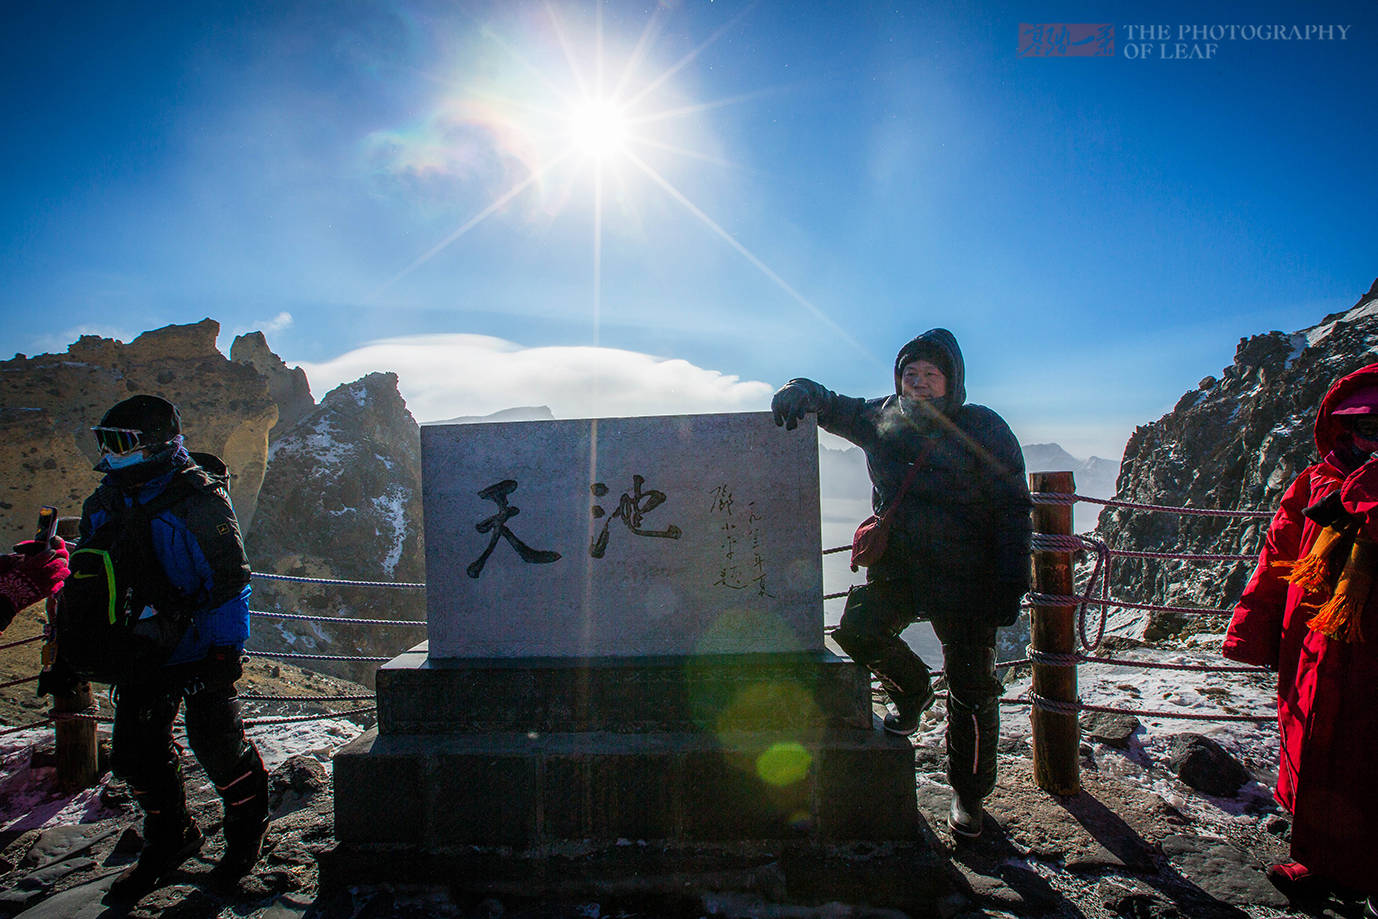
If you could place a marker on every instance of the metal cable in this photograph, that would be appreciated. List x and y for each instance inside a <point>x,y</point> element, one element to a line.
<point>346,619</point>
<point>1057,497</point>
<point>292,719</point>
<point>22,641</point>
<point>24,727</point>
<point>406,585</point>
<point>1162,665</point>
<point>1184,556</point>
<point>1041,599</point>
<point>315,657</point>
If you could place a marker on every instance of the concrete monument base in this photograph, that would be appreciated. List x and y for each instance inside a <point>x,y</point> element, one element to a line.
<point>629,767</point>
<point>666,878</point>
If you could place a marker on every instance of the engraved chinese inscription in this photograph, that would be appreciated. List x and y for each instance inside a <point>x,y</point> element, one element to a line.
<point>497,525</point>
<point>631,508</point>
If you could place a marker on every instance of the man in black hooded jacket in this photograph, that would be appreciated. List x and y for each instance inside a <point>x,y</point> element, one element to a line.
<point>958,554</point>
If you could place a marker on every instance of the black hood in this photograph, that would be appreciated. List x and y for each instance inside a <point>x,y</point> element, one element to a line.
<point>939,347</point>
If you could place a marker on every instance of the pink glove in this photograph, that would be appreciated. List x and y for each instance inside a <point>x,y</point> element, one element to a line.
<point>29,576</point>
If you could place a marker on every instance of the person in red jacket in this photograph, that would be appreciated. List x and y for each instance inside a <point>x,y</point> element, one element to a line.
<point>1310,613</point>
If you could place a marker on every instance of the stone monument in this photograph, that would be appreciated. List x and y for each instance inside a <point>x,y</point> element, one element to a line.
<point>625,645</point>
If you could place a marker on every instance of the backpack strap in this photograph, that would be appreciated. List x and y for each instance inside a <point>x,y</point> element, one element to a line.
<point>134,523</point>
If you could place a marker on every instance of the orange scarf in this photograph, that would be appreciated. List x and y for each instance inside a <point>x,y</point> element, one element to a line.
<point>1341,606</point>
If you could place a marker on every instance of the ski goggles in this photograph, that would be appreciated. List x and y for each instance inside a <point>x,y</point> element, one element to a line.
<point>1365,426</point>
<point>118,440</point>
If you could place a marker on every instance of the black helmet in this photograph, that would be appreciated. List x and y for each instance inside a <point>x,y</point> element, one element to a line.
<point>139,421</point>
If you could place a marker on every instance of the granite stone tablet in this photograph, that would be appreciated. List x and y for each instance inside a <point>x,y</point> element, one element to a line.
<point>678,535</point>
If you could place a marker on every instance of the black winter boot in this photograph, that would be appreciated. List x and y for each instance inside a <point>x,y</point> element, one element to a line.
<point>965,816</point>
<point>905,678</point>
<point>246,819</point>
<point>908,708</point>
<point>168,841</point>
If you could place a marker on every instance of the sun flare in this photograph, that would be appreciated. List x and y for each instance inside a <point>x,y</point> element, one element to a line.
<point>598,127</point>
<point>581,123</point>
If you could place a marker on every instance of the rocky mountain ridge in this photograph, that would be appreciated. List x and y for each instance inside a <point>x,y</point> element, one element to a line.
<point>327,491</point>
<point>1234,443</point>
<point>842,475</point>
<point>342,501</point>
<point>49,402</point>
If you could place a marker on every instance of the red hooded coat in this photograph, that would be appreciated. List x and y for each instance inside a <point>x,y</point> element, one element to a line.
<point>1327,689</point>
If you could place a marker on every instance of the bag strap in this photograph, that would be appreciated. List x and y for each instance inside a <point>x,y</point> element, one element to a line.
<point>908,479</point>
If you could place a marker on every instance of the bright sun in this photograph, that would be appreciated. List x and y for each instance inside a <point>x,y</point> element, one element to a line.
<point>598,127</point>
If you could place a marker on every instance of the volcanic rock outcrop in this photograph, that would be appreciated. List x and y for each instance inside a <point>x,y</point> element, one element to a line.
<point>287,387</point>
<point>1235,443</point>
<point>342,501</point>
<point>49,402</point>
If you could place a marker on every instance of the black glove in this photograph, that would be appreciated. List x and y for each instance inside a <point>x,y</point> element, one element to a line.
<point>1328,512</point>
<point>796,399</point>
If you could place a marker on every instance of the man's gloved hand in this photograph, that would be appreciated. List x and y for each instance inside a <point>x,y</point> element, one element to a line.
<point>1328,512</point>
<point>32,573</point>
<point>796,399</point>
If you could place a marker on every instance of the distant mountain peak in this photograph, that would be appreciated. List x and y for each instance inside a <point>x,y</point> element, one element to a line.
<point>519,413</point>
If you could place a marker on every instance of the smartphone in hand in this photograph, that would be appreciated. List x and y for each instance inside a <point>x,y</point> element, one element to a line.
<point>47,526</point>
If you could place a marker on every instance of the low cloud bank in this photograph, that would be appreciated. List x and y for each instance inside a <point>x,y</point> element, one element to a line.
<point>446,376</point>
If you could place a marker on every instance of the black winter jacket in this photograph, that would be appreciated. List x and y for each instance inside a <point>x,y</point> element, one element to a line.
<point>963,530</point>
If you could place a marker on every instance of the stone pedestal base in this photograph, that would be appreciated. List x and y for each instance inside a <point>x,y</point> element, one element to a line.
<point>482,764</point>
<point>665,878</point>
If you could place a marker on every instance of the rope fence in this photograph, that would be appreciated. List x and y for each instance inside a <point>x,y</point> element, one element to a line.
<point>1042,542</point>
<point>1095,594</point>
<point>1054,497</point>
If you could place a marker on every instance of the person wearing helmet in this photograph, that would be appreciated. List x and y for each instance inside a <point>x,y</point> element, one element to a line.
<point>958,553</point>
<point>1310,612</point>
<point>197,545</point>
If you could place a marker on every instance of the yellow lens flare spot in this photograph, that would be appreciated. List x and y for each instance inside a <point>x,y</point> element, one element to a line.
<point>784,764</point>
<point>599,127</point>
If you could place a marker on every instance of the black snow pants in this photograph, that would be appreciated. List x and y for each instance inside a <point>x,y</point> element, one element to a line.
<point>149,760</point>
<point>875,615</point>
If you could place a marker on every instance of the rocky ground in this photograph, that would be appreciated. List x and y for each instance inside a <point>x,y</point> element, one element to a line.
<point>1138,841</point>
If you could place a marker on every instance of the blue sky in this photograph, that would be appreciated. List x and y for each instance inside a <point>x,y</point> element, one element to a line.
<point>801,187</point>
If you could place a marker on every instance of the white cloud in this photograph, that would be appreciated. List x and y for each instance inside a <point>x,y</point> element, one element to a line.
<point>279,322</point>
<point>446,376</point>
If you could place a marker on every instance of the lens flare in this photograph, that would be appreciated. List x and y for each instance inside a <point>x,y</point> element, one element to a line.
<point>784,764</point>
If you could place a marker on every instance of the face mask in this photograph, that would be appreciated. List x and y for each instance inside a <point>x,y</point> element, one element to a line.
<point>123,461</point>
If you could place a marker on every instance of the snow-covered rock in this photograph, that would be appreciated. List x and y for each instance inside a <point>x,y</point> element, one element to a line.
<point>1235,443</point>
<point>342,501</point>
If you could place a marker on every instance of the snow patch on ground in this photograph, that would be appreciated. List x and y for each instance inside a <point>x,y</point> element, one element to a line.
<point>29,798</point>
<point>1187,700</point>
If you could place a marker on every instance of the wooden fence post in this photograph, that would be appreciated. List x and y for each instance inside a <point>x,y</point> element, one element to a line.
<point>76,741</point>
<point>77,752</point>
<point>1052,631</point>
